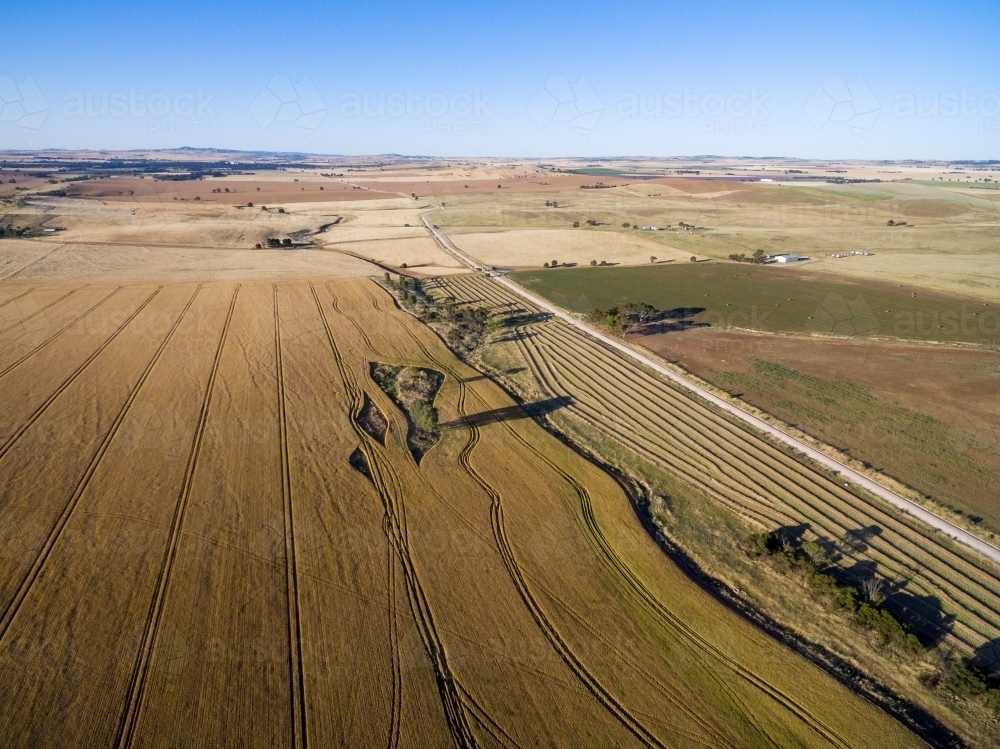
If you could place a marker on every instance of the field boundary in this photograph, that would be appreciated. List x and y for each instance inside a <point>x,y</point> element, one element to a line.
<point>843,471</point>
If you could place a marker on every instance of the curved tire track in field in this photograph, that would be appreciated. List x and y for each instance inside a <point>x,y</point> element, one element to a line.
<point>549,630</point>
<point>805,491</point>
<point>389,489</point>
<point>300,735</point>
<point>551,633</point>
<point>809,498</point>
<point>137,683</point>
<point>355,323</point>
<point>56,532</point>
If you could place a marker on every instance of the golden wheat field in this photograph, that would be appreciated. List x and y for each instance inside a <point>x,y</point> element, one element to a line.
<point>202,545</point>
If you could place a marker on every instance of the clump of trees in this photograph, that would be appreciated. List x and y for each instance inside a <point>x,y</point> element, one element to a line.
<point>464,327</point>
<point>619,320</point>
<point>965,679</point>
<point>863,602</point>
<point>548,203</point>
<point>758,257</point>
<point>890,222</point>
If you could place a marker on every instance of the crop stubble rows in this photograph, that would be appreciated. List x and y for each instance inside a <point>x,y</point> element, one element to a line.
<point>189,558</point>
<point>745,472</point>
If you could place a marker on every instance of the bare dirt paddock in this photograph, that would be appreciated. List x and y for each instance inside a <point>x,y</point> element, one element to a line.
<point>203,546</point>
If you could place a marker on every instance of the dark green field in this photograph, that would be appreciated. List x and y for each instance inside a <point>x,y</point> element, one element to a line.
<point>772,299</point>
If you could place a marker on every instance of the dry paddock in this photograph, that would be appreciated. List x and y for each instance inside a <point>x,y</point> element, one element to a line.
<point>190,559</point>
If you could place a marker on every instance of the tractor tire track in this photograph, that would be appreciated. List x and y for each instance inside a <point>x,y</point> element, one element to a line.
<point>389,489</point>
<point>129,720</point>
<point>19,296</point>
<point>300,734</point>
<point>56,532</point>
<point>39,311</point>
<point>10,367</point>
<point>70,379</point>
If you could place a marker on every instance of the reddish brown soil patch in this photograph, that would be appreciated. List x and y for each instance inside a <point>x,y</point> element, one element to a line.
<point>240,192</point>
<point>928,415</point>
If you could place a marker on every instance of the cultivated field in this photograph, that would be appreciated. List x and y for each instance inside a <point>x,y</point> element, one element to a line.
<point>926,415</point>
<point>943,239</point>
<point>943,590</point>
<point>203,547</point>
<point>773,299</point>
<point>523,248</point>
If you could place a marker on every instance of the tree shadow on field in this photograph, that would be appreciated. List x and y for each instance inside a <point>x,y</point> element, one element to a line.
<point>523,317</point>
<point>511,413</point>
<point>987,657</point>
<point>858,538</point>
<point>924,615</point>
<point>672,321</point>
<point>792,534</point>
<point>512,336</point>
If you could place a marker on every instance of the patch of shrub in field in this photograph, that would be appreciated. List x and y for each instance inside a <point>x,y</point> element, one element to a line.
<point>862,602</point>
<point>620,320</point>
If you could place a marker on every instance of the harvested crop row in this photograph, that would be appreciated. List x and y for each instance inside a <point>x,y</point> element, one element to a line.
<point>821,512</point>
<point>519,566</point>
<point>221,554</point>
<point>904,546</point>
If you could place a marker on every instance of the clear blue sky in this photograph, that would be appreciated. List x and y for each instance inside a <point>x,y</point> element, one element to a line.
<point>825,80</point>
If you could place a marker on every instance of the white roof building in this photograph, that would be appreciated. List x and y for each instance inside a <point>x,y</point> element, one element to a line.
<point>786,258</point>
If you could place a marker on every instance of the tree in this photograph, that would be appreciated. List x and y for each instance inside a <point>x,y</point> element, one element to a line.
<point>249,205</point>
<point>576,224</point>
<point>256,246</point>
<point>286,241</point>
<point>593,262</point>
<point>402,265</point>
<point>694,259</point>
<point>652,258</point>
<point>626,225</point>
<point>554,263</point>
<point>545,265</point>
<point>424,417</point>
<point>872,589</point>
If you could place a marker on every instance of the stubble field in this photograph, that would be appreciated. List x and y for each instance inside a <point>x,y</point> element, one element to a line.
<point>195,554</point>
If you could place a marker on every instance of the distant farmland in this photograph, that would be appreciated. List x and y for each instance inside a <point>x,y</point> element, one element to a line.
<point>772,299</point>
<point>215,533</point>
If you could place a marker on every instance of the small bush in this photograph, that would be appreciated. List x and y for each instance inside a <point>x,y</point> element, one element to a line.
<point>964,679</point>
<point>424,417</point>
